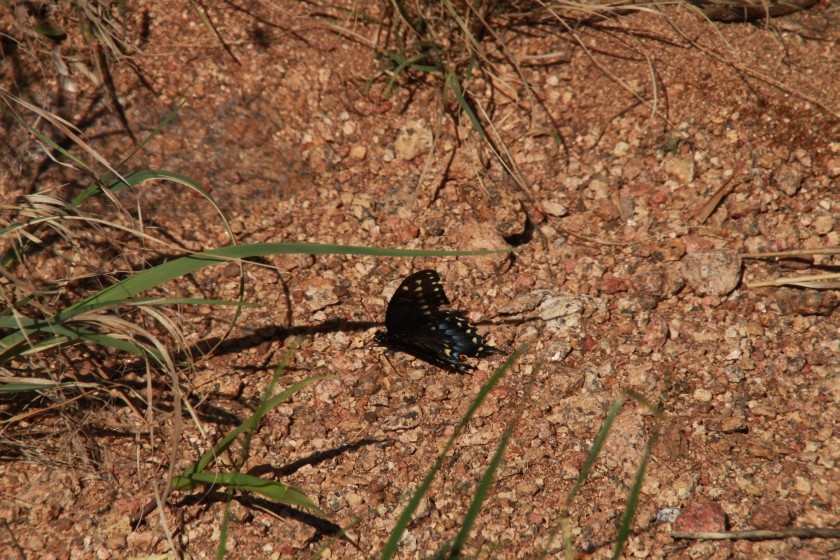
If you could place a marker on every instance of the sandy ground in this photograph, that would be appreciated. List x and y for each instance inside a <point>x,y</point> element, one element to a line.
<point>627,275</point>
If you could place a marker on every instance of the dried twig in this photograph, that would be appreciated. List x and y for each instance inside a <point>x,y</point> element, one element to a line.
<point>802,533</point>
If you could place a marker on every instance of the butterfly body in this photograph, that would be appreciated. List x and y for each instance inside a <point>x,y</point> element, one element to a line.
<point>415,324</point>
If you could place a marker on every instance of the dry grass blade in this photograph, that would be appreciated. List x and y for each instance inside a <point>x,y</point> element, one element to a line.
<point>792,253</point>
<point>36,209</point>
<point>748,70</point>
<point>107,30</point>
<point>654,108</point>
<point>817,282</point>
<point>801,533</point>
<point>65,127</point>
<point>712,204</point>
<point>812,281</point>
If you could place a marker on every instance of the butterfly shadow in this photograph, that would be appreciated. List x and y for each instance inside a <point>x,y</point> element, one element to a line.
<point>279,333</point>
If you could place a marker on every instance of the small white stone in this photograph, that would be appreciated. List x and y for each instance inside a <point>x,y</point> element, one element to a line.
<point>358,152</point>
<point>554,208</point>
<point>702,395</point>
<point>621,148</point>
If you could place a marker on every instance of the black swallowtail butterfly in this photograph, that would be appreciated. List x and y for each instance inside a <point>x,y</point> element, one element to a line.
<point>416,325</point>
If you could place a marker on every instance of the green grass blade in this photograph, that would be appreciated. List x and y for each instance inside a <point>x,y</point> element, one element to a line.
<point>563,525</point>
<point>406,17</point>
<point>63,334</point>
<point>455,86</point>
<point>49,30</point>
<point>261,411</point>
<point>267,401</point>
<point>248,433</point>
<point>7,322</point>
<point>597,445</point>
<point>223,531</point>
<point>483,489</point>
<point>191,301</point>
<point>29,387</point>
<point>158,275</point>
<point>281,367</point>
<point>274,491</point>
<point>96,188</point>
<point>632,504</point>
<point>123,291</point>
<point>405,517</point>
<point>144,175</point>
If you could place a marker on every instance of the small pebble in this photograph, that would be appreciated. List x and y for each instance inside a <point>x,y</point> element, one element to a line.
<point>707,517</point>
<point>702,395</point>
<point>714,273</point>
<point>358,152</point>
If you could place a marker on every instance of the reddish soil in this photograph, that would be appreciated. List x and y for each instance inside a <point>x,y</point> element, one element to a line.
<point>630,279</point>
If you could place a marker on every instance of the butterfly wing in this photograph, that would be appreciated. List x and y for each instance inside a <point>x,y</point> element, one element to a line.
<point>431,349</point>
<point>416,325</point>
<point>462,336</point>
<point>418,297</point>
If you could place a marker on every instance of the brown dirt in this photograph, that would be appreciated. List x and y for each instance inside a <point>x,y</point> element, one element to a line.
<point>283,128</point>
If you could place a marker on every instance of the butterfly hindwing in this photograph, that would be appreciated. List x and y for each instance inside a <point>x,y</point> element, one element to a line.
<point>431,351</point>
<point>462,335</point>
<point>416,325</point>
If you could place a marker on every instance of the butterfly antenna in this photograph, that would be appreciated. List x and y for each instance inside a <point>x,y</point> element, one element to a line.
<point>370,316</point>
<point>384,354</point>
